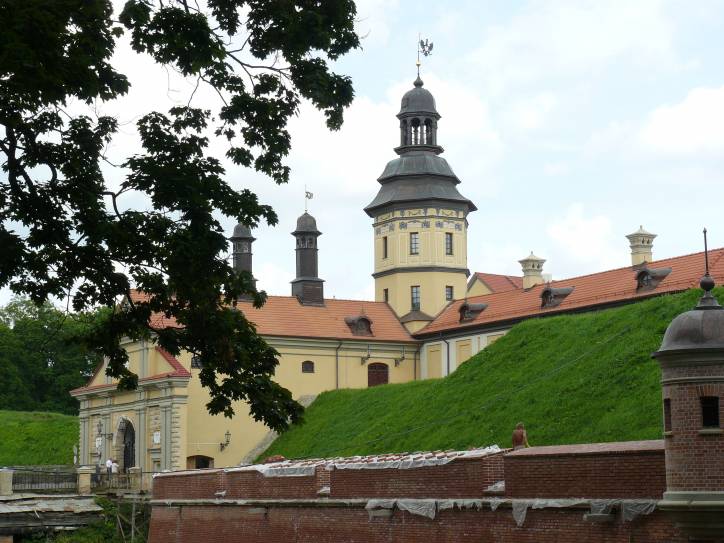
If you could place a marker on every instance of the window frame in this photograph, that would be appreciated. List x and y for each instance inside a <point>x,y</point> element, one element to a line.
<point>449,244</point>
<point>386,295</point>
<point>384,247</point>
<point>667,415</point>
<point>306,366</point>
<point>710,412</point>
<point>414,243</point>
<point>415,298</point>
<point>449,293</point>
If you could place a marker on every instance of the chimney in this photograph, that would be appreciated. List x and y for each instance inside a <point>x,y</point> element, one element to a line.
<point>307,287</point>
<point>641,243</point>
<point>241,242</point>
<point>532,270</point>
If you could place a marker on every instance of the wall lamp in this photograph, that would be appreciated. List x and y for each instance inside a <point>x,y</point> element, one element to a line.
<point>227,440</point>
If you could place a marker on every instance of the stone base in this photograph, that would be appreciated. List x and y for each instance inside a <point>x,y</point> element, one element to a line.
<point>698,514</point>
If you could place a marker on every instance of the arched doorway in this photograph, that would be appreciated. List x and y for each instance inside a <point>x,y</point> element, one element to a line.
<point>126,445</point>
<point>377,374</point>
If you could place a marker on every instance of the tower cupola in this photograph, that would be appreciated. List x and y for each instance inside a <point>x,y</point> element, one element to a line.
<point>418,120</point>
<point>532,270</point>
<point>307,287</point>
<point>642,244</point>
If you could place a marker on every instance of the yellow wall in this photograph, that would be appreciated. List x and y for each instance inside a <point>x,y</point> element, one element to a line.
<point>478,288</point>
<point>431,224</point>
<point>463,350</point>
<point>434,362</point>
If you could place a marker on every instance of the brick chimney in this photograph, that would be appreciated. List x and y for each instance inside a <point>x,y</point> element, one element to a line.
<point>692,366</point>
<point>641,243</point>
<point>532,270</point>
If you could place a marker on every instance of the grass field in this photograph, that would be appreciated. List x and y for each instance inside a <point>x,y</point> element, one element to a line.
<point>28,438</point>
<point>571,379</point>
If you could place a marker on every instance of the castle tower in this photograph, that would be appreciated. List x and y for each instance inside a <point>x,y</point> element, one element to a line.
<point>420,220</point>
<point>241,241</point>
<point>692,364</point>
<point>307,287</point>
<point>532,270</point>
<point>641,243</point>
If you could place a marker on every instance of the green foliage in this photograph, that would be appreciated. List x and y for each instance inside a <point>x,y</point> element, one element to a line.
<point>41,358</point>
<point>34,439</point>
<point>571,379</point>
<point>66,231</point>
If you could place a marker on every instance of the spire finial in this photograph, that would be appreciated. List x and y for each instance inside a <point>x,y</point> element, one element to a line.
<point>707,301</point>
<point>424,47</point>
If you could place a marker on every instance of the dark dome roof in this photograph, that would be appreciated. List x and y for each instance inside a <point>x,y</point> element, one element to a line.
<point>242,231</point>
<point>700,328</point>
<point>306,223</point>
<point>418,100</point>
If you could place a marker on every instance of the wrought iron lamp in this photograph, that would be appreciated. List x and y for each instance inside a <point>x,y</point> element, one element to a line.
<point>227,440</point>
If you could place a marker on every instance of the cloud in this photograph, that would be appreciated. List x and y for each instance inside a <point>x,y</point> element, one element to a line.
<point>549,38</point>
<point>583,243</point>
<point>693,126</point>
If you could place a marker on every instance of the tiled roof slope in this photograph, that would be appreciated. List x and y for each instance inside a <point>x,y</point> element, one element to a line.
<point>284,316</point>
<point>500,283</point>
<point>608,287</point>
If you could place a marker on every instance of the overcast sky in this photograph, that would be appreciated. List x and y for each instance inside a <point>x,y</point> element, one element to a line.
<point>569,123</point>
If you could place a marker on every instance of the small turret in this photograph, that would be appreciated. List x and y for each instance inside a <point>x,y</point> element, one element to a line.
<point>241,241</point>
<point>307,287</point>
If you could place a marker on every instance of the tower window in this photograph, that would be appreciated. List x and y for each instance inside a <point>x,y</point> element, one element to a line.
<point>448,243</point>
<point>415,297</point>
<point>448,293</point>
<point>709,411</point>
<point>196,362</point>
<point>414,243</point>
<point>386,294</point>
<point>667,415</point>
<point>384,247</point>
<point>307,366</point>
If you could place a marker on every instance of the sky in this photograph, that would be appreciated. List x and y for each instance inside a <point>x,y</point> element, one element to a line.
<point>569,124</point>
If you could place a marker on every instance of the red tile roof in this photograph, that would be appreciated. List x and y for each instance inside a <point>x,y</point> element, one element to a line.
<point>284,316</point>
<point>603,288</point>
<point>500,283</point>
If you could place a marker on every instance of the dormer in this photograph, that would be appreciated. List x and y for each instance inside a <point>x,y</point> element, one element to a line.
<point>359,326</point>
<point>649,278</point>
<point>552,297</point>
<point>469,312</point>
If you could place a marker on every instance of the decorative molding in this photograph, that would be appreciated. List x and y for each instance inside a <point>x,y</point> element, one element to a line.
<point>415,269</point>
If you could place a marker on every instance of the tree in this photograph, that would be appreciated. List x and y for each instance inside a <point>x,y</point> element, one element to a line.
<point>40,358</point>
<point>65,232</point>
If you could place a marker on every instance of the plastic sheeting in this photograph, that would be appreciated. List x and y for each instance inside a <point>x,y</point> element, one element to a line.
<point>495,502</point>
<point>280,470</point>
<point>443,505</point>
<point>520,508</point>
<point>424,508</point>
<point>630,509</point>
<point>411,461</point>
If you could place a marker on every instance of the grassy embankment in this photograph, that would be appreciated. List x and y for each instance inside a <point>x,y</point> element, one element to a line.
<point>571,379</point>
<point>34,438</point>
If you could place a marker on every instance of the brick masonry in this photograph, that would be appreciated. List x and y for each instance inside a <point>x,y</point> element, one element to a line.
<point>254,508</point>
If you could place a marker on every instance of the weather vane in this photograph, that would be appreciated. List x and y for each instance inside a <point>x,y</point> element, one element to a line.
<point>424,47</point>
<point>307,196</point>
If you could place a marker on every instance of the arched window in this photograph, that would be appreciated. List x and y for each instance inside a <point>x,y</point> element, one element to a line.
<point>307,366</point>
<point>377,374</point>
<point>428,132</point>
<point>404,135</point>
<point>416,129</point>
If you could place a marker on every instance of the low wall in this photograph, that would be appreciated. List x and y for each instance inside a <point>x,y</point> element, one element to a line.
<point>601,470</point>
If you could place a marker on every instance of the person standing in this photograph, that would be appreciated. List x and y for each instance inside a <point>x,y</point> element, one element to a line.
<point>520,437</point>
<point>109,467</point>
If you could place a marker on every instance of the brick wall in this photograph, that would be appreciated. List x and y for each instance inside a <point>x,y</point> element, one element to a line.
<point>231,524</point>
<point>460,478</point>
<point>606,470</point>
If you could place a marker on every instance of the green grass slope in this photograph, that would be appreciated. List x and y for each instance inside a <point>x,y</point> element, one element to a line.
<point>34,438</point>
<point>572,379</point>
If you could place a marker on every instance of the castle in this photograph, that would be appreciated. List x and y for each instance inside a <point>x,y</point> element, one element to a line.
<point>429,315</point>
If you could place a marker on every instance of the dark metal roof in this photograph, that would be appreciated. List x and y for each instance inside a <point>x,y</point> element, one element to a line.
<point>702,328</point>
<point>419,162</point>
<point>409,189</point>
<point>306,224</point>
<point>242,231</point>
<point>418,100</point>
